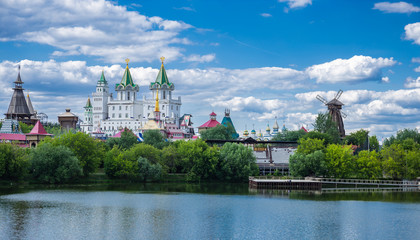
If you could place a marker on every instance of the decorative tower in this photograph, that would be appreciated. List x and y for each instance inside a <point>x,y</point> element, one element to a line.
<point>253,132</point>
<point>246,132</point>
<point>226,121</point>
<point>100,102</point>
<point>18,108</point>
<point>157,112</point>
<point>126,89</point>
<point>275,128</point>
<point>87,126</point>
<point>170,108</point>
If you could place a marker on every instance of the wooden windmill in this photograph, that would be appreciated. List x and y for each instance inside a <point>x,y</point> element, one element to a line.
<point>334,108</point>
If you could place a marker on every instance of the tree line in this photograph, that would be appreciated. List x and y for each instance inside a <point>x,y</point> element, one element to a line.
<point>322,153</point>
<point>72,156</point>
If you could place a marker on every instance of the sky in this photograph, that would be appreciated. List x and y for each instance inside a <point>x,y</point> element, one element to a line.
<point>261,59</point>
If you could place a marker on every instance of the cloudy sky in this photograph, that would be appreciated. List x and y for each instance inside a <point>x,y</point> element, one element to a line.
<point>261,59</point>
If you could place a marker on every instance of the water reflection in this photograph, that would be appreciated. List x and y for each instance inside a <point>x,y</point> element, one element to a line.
<point>209,211</point>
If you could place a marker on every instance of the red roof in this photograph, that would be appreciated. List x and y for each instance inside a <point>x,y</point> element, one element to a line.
<point>304,129</point>
<point>213,114</point>
<point>118,135</point>
<point>13,136</point>
<point>209,124</point>
<point>38,129</point>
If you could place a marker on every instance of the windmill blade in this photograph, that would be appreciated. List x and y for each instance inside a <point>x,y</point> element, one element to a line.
<point>321,99</point>
<point>339,94</point>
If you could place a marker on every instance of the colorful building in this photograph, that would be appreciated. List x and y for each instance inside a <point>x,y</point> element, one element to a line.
<point>210,123</point>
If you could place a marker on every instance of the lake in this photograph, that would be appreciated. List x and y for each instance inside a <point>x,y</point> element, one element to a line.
<point>204,211</point>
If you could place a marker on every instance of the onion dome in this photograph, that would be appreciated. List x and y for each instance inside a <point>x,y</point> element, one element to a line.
<point>253,132</point>
<point>246,133</point>
<point>268,128</point>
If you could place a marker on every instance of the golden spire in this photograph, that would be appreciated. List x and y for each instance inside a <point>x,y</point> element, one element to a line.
<point>127,60</point>
<point>157,100</point>
<point>162,59</point>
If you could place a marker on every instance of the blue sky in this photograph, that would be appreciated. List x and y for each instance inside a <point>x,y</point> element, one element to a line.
<point>261,59</point>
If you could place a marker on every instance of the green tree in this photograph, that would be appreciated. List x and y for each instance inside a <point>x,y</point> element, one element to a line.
<point>413,164</point>
<point>126,141</point>
<point>289,136</point>
<point>309,145</point>
<point>340,161</point>
<point>25,128</point>
<point>171,159</point>
<point>197,159</point>
<point>312,164</point>
<point>13,162</point>
<point>219,132</point>
<point>393,161</point>
<point>237,163</point>
<point>147,151</point>
<point>325,124</point>
<point>368,165</point>
<point>318,135</point>
<point>373,143</point>
<point>126,165</point>
<point>357,138</point>
<point>148,171</point>
<point>155,138</point>
<point>86,149</point>
<point>402,135</point>
<point>54,164</point>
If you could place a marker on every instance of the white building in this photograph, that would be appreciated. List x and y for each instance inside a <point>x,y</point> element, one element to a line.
<point>127,110</point>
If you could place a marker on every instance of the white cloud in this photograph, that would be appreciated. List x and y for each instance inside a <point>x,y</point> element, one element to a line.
<point>94,28</point>
<point>397,7</point>
<point>297,3</point>
<point>266,15</point>
<point>385,79</point>
<point>355,69</point>
<point>201,59</point>
<point>412,32</point>
<point>417,69</point>
<point>415,60</point>
<point>412,83</point>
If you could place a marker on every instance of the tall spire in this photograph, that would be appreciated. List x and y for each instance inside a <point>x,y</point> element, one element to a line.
<point>29,103</point>
<point>161,78</point>
<point>88,103</point>
<point>18,108</point>
<point>126,80</point>
<point>102,80</point>
<point>157,100</point>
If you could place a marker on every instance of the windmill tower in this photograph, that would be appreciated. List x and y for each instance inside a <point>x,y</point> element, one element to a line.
<point>334,108</point>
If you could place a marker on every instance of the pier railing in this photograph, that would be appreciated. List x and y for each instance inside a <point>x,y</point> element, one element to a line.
<point>364,181</point>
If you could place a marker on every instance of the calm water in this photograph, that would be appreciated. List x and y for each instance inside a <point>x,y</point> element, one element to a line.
<point>220,211</point>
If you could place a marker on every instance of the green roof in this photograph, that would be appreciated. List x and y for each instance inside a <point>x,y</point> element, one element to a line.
<point>102,80</point>
<point>126,79</point>
<point>162,78</point>
<point>88,104</point>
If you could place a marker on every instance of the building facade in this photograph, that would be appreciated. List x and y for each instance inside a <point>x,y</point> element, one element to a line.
<point>127,109</point>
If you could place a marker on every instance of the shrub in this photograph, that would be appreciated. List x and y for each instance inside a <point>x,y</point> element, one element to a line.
<point>54,164</point>
<point>13,161</point>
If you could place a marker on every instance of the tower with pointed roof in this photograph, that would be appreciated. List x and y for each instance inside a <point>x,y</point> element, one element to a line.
<point>226,121</point>
<point>169,108</point>
<point>87,125</point>
<point>275,128</point>
<point>18,107</point>
<point>99,102</point>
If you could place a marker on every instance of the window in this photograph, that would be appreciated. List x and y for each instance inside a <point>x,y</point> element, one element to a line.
<point>172,107</point>
<point>113,115</point>
<point>177,108</point>
<point>113,107</point>
<point>120,107</point>
<point>163,107</point>
<point>128,96</point>
<point>164,94</point>
<point>126,107</point>
<point>119,115</point>
<point>126,115</point>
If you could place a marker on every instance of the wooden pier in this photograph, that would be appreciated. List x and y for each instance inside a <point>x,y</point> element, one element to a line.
<point>271,182</point>
<point>290,184</point>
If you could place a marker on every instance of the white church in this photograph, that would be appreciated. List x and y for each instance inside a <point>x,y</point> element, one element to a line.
<point>110,114</point>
